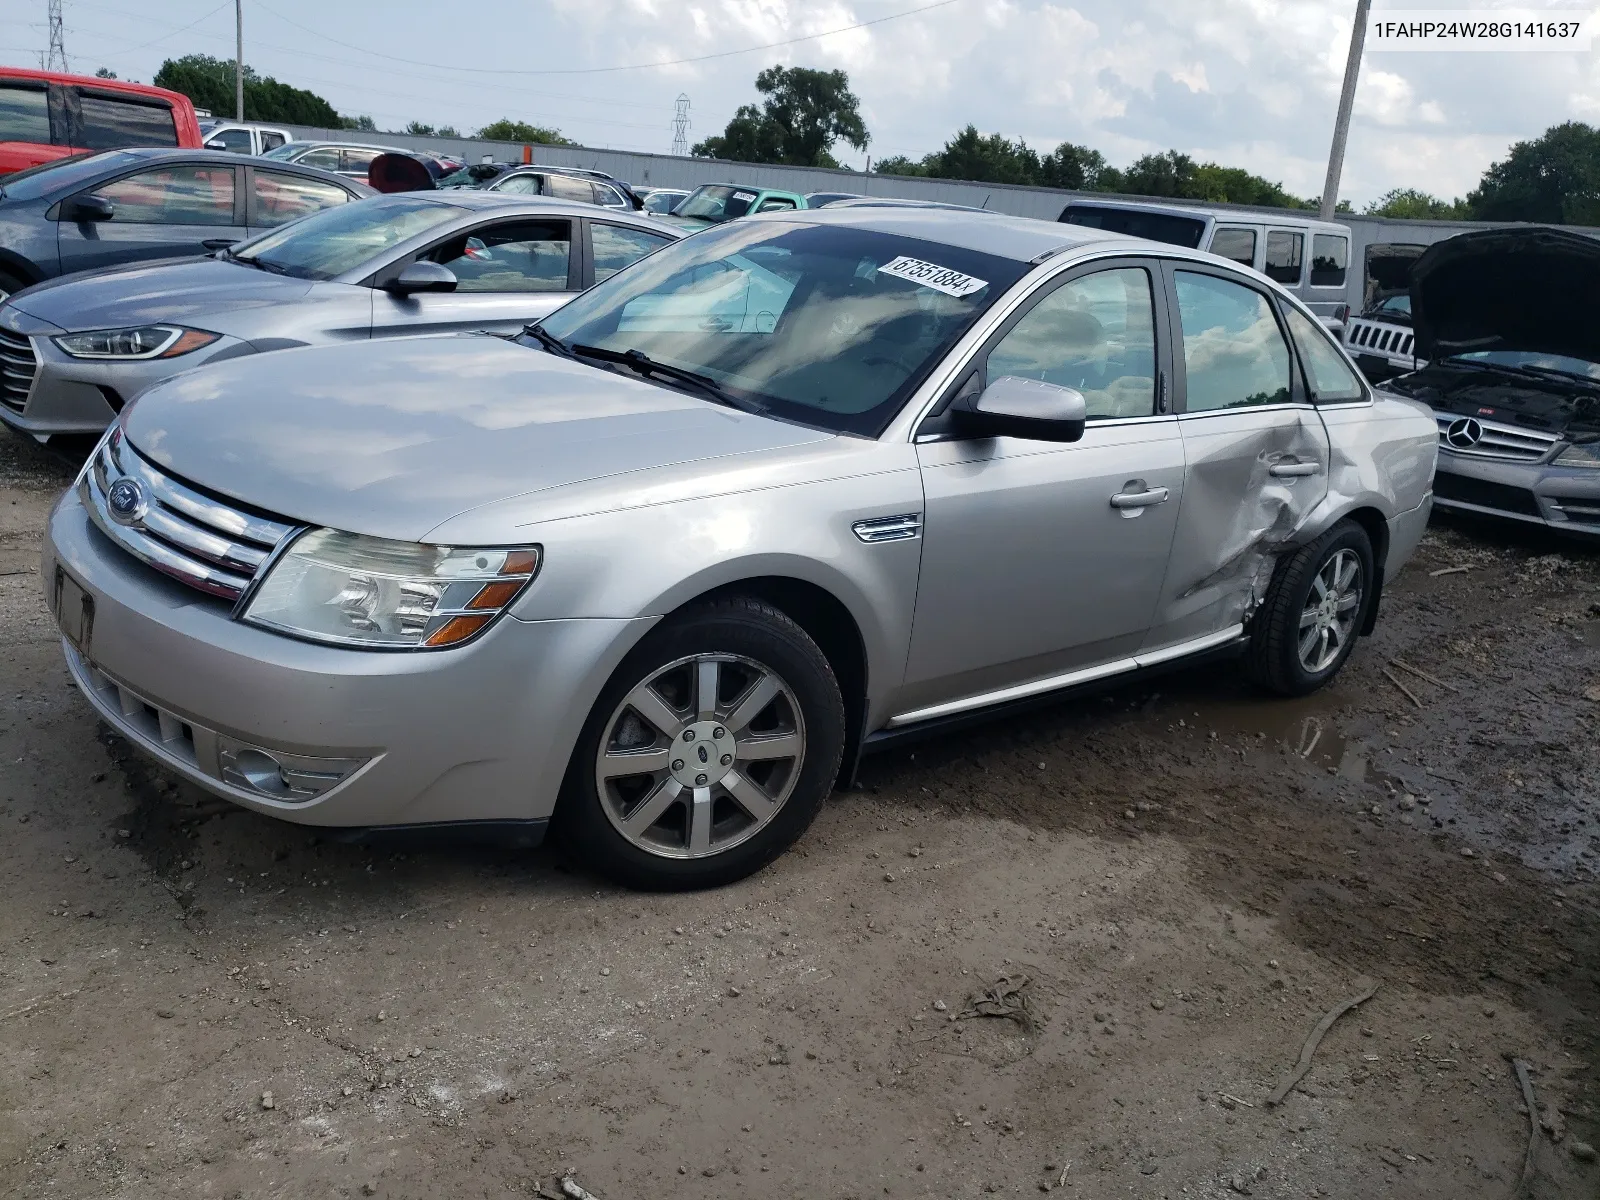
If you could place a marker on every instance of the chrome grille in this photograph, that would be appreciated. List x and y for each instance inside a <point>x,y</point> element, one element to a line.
<point>1386,339</point>
<point>206,543</point>
<point>18,365</point>
<point>1495,440</point>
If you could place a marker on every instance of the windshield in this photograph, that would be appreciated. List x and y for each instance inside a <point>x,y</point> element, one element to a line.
<point>1525,359</point>
<point>717,202</point>
<point>284,152</point>
<point>1137,222</point>
<point>1396,304</point>
<point>63,174</point>
<point>329,243</point>
<point>828,325</point>
<point>473,176</point>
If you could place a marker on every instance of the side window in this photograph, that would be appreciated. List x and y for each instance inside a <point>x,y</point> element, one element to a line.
<point>24,114</point>
<point>564,187</point>
<point>326,157</point>
<point>520,185</point>
<point>173,196</point>
<point>108,124</point>
<point>357,162</point>
<point>610,197</point>
<point>1330,377</point>
<point>1237,244</point>
<point>1330,252</point>
<point>520,256</point>
<point>1233,352</point>
<point>278,197</point>
<point>616,247</point>
<point>271,141</point>
<point>776,204</point>
<point>1284,252</point>
<point>235,140</point>
<point>1095,334</point>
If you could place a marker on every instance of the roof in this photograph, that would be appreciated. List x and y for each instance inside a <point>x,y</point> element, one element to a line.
<point>1231,213</point>
<point>474,199</point>
<point>1019,238</point>
<point>94,81</point>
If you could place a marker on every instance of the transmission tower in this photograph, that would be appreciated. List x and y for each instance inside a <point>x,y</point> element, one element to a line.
<point>57,58</point>
<point>680,123</point>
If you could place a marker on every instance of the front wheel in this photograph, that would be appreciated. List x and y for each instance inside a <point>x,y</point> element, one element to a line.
<point>709,752</point>
<point>1307,626</point>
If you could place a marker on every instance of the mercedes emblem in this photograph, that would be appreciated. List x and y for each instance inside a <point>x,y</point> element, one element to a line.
<point>1463,434</point>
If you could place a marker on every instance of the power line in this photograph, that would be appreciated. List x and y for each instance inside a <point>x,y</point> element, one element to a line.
<point>675,62</point>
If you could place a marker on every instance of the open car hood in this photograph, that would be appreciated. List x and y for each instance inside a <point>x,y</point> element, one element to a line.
<point>1533,289</point>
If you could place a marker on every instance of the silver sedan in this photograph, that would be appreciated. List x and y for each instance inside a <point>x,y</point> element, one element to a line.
<point>74,351</point>
<point>795,488</point>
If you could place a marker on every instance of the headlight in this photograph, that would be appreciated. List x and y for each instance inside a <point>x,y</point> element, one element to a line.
<point>1587,454</point>
<point>147,341</point>
<point>361,591</point>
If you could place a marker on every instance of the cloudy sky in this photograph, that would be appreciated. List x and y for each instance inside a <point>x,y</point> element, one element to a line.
<point>1249,83</point>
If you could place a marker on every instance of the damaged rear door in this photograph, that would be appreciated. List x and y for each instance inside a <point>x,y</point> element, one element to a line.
<point>1255,451</point>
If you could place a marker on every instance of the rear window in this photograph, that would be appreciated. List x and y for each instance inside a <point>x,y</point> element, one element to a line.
<point>1329,254</point>
<point>107,124</point>
<point>1137,222</point>
<point>24,114</point>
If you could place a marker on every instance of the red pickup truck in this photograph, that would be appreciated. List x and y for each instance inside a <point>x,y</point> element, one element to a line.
<point>45,115</point>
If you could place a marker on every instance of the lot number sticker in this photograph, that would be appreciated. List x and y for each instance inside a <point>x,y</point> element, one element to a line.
<point>932,275</point>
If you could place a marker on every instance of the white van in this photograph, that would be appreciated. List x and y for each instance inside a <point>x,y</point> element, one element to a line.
<point>1309,257</point>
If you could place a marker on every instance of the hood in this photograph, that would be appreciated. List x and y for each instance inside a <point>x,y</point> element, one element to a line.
<point>1532,289</point>
<point>394,437</point>
<point>190,292</point>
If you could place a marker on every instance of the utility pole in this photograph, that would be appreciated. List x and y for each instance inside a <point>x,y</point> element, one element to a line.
<point>680,126</point>
<point>239,60</point>
<point>57,57</point>
<point>1341,123</point>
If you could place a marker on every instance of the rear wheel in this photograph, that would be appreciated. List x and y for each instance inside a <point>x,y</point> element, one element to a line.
<point>709,752</point>
<point>1307,626</point>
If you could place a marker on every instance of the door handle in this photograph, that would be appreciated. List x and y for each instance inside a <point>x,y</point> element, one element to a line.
<point>1295,470</point>
<point>1144,499</point>
<point>219,243</point>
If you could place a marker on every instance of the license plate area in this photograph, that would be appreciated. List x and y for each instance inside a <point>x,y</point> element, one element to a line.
<point>74,612</point>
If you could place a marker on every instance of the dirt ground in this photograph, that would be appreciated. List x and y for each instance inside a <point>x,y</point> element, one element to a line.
<point>1176,879</point>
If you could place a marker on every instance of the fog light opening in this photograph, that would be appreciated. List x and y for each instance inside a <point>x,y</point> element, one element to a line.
<point>261,771</point>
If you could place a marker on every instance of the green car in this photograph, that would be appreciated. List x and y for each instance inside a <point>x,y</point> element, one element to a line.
<point>713,203</point>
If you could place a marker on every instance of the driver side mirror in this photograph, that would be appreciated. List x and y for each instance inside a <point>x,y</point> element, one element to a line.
<point>1024,408</point>
<point>422,277</point>
<point>90,208</point>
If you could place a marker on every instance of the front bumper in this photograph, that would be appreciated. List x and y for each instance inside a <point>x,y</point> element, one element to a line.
<point>1561,498</point>
<point>74,395</point>
<point>479,733</point>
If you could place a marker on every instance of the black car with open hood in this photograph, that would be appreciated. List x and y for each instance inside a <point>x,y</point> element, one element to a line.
<point>1507,321</point>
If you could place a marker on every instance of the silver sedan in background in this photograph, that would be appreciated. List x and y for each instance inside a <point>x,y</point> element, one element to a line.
<point>798,486</point>
<point>74,351</point>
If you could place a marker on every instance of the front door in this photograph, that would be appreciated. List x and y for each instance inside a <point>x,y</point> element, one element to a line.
<point>508,274</point>
<point>163,212</point>
<point>1043,558</point>
<point>1255,447</point>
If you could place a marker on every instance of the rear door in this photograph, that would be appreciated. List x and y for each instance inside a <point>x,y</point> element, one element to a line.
<point>161,212</point>
<point>1255,450</point>
<point>508,272</point>
<point>25,133</point>
<point>355,162</point>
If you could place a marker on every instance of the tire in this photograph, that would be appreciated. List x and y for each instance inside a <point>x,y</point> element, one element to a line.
<point>1278,658</point>
<point>10,283</point>
<point>770,747</point>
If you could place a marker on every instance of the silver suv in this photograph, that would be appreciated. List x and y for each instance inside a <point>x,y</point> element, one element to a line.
<point>786,491</point>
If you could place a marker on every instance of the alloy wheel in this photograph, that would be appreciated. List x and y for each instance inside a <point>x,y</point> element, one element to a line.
<point>700,756</point>
<point>1328,621</point>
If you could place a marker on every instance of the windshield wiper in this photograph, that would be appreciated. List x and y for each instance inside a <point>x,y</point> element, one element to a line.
<point>259,264</point>
<point>547,339</point>
<point>1527,370</point>
<point>647,366</point>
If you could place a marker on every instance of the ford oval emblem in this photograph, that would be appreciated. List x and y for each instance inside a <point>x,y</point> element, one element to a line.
<point>126,500</point>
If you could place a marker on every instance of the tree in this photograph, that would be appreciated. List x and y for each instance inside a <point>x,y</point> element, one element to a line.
<point>363,122</point>
<point>507,130</point>
<point>104,73</point>
<point>421,130</point>
<point>1554,178</point>
<point>208,82</point>
<point>1076,168</point>
<point>805,114</point>
<point>1415,205</point>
